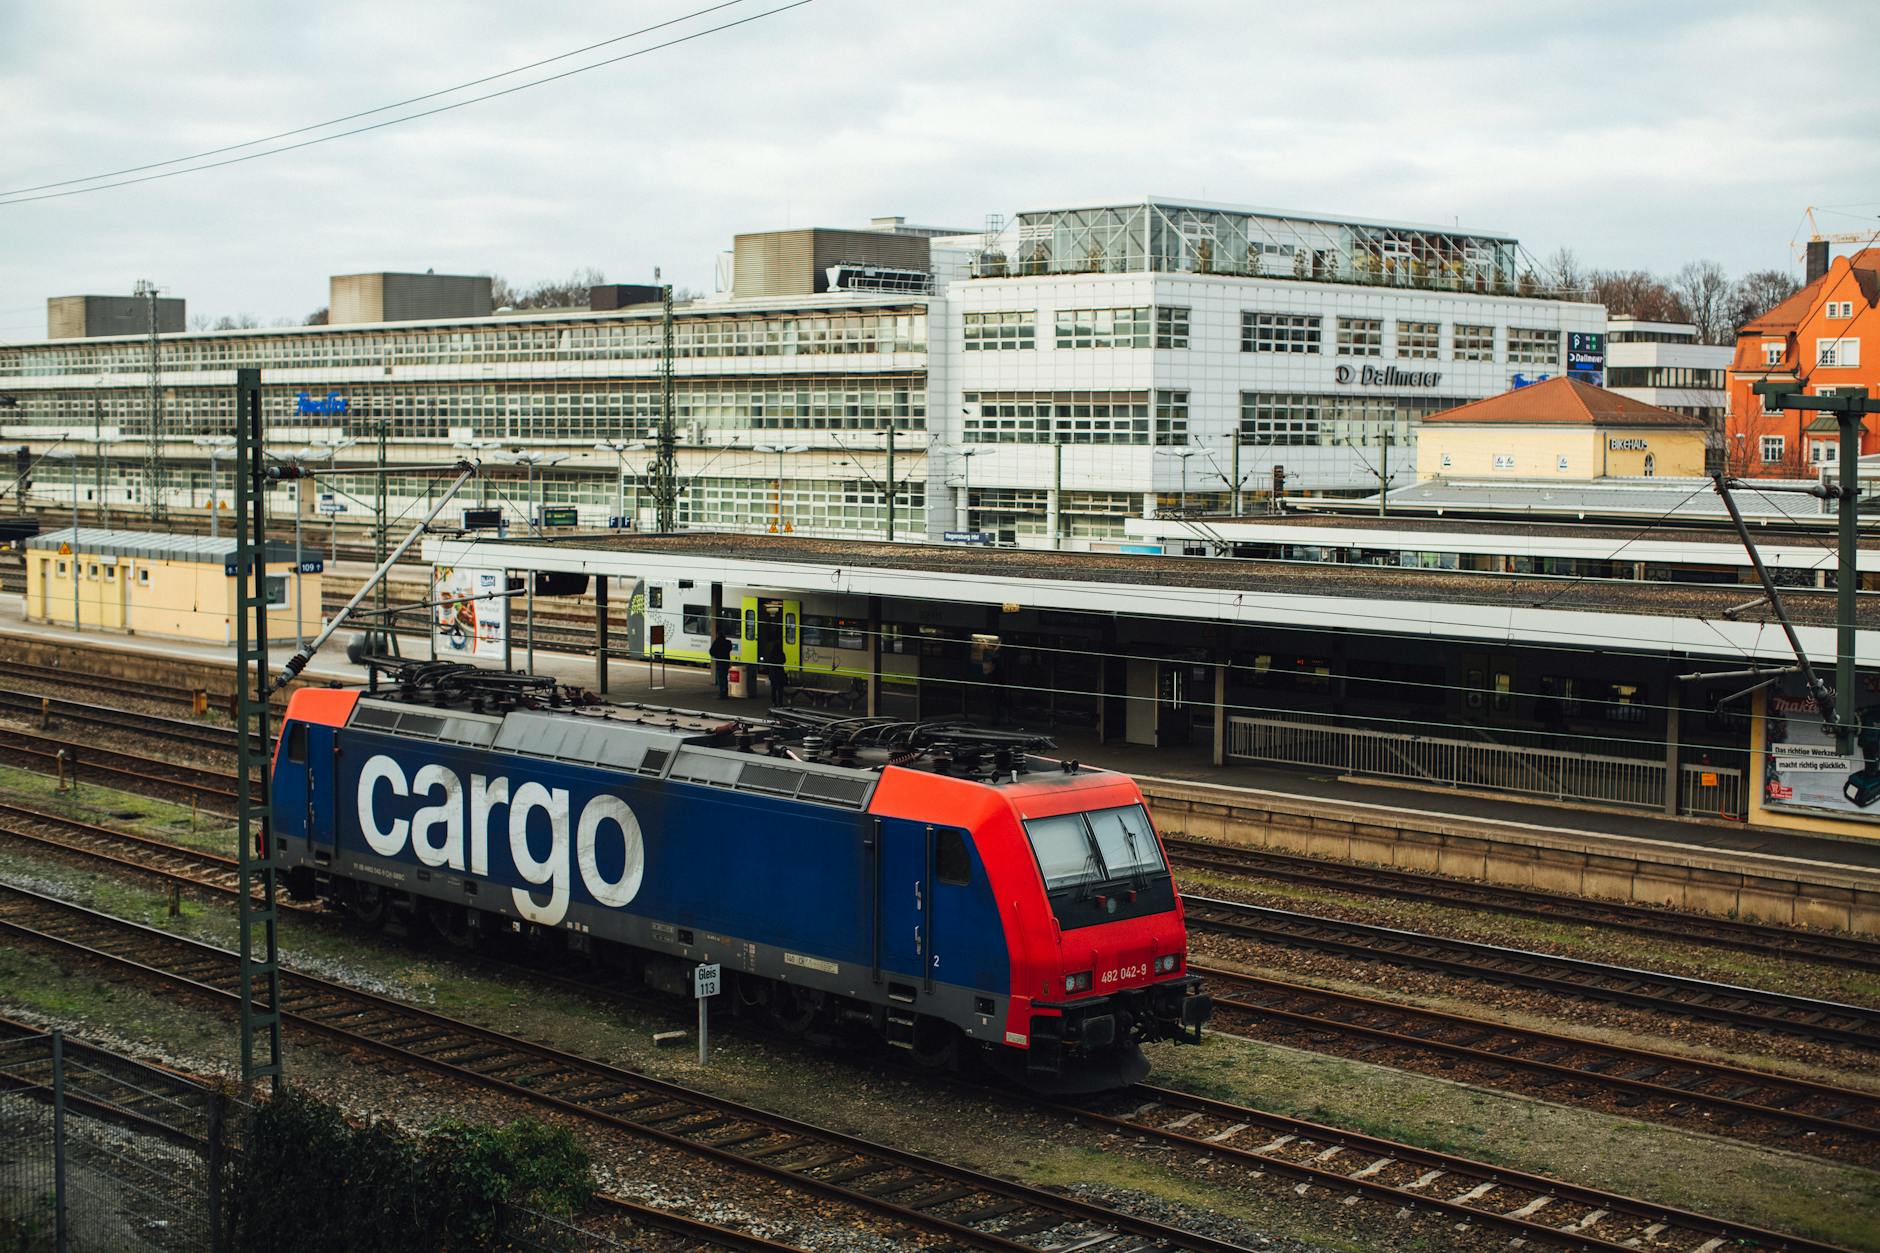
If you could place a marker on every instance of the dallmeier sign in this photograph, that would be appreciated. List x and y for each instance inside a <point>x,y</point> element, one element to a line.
<point>1626,445</point>
<point>1387,376</point>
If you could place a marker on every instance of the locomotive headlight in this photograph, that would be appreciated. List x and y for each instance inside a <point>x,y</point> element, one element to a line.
<point>1079,982</point>
<point>1168,965</point>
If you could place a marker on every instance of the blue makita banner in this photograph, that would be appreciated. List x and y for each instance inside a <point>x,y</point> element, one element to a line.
<point>331,403</point>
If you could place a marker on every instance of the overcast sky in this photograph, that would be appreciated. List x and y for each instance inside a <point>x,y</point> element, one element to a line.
<point>1641,135</point>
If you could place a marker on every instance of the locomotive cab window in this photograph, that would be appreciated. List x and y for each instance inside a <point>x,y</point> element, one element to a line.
<point>297,742</point>
<point>951,862</point>
<point>1101,866</point>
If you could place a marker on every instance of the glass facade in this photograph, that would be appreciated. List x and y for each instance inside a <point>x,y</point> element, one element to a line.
<point>1304,419</point>
<point>1057,417</point>
<point>1173,238</point>
<point>553,339</point>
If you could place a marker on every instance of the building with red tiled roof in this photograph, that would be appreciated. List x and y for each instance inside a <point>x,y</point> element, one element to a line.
<point>1813,338</point>
<point>1560,429</point>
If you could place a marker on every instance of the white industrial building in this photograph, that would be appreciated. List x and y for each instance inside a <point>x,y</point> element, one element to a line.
<point>1044,379</point>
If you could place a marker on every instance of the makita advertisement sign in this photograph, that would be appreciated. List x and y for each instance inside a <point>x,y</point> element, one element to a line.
<point>329,404</point>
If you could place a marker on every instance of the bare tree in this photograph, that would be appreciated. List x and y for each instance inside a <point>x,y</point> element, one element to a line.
<point>199,322</point>
<point>240,322</point>
<point>317,318</point>
<point>1636,294</point>
<point>1567,272</point>
<point>1704,289</point>
<point>502,295</point>
<point>1757,293</point>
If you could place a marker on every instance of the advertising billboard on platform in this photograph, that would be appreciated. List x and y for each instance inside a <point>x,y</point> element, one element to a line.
<point>467,620</point>
<point>1802,770</point>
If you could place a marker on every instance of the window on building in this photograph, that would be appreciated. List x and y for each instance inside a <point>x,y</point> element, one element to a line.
<point>993,332</point>
<point>1528,346</point>
<point>1774,449</point>
<point>91,571</point>
<point>1475,343</point>
<point>110,574</point>
<point>1280,419</point>
<point>1839,309</point>
<point>1837,352</point>
<point>1103,328</point>
<point>143,578</point>
<point>1360,337</point>
<point>1822,451</point>
<point>1057,418</point>
<point>61,569</point>
<point>275,589</point>
<point>1171,327</point>
<point>1279,332</point>
<point>1419,341</point>
<point>1651,464</point>
<point>1772,351</point>
<point>1171,418</point>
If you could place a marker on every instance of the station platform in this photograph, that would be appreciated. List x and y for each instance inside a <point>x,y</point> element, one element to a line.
<point>1710,865</point>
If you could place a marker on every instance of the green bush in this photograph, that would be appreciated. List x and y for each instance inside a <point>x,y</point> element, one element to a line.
<point>308,1181</point>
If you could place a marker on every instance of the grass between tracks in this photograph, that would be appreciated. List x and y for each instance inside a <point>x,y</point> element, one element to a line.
<point>1589,943</point>
<point>1768,1188</point>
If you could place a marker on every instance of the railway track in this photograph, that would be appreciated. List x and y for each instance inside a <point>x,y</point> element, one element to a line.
<point>1470,1194</point>
<point>1808,1117</point>
<point>133,772</point>
<point>965,1208</point>
<point>1846,951</point>
<point>1797,1114</point>
<point>174,1105</point>
<point>61,676</point>
<point>110,718</point>
<point>1753,1008</point>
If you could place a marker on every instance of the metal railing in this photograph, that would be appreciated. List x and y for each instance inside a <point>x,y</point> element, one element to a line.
<point>1558,773</point>
<point>1712,792</point>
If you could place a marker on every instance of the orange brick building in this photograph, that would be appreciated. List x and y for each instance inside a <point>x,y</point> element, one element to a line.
<point>1827,335</point>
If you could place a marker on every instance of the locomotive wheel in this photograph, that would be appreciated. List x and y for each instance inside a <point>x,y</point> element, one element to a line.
<point>453,924</point>
<point>367,903</point>
<point>795,1009</point>
<point>936,1045</point>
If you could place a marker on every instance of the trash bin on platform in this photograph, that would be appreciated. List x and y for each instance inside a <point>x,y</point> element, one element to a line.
<point>737,680</point>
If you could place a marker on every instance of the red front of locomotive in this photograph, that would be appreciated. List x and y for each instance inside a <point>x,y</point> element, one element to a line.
<point>1094,926</point>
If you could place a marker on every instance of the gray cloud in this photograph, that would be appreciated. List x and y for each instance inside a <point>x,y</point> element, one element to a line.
<point>1640,135</point>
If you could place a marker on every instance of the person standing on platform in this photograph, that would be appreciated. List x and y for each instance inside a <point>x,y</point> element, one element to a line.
<point>721,662</point>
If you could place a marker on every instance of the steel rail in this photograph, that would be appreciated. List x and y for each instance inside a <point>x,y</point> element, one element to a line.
<point>604,1094</point>
<point>1748,937</point>
<point>1426,1179</point>
<point>1748,1007</point>
<point>187,1090</point>
<point>1662,1078</point>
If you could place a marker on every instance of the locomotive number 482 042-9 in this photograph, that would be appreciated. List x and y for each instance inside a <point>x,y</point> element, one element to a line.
<point>1125,972</point>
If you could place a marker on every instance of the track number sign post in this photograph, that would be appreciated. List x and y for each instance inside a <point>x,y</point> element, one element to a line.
<point>704,987</point>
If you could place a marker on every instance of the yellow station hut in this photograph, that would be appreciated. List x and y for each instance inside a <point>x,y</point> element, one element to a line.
<point>1560,429</point>
<point>151,583</point>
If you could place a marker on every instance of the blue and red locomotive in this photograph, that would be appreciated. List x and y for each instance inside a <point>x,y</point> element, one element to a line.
<point>941,885</point>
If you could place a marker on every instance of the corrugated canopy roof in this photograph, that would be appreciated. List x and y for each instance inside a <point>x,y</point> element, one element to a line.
<point>161,545</point>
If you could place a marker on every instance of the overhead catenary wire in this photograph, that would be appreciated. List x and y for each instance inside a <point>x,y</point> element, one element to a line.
<point>352,117</point>
<point>15,199</point>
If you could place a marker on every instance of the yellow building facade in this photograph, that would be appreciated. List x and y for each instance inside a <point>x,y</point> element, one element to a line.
<point>1560,429</point>
<point>145,583</point>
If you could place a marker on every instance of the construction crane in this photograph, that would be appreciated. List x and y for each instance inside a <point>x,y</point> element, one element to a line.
<point>1817,236</point>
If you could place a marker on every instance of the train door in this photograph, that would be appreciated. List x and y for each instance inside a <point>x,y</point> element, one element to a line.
<point>773,632</point>
<point>902,902</point>
<point>322,776</point>
<point>792,634</point>
<point>1139,717</point>
<point>747,630</point>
